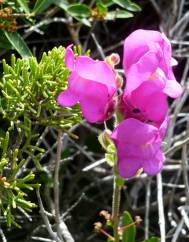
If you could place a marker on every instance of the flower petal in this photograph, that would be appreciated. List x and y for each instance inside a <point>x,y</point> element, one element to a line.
<point>94,102</point>
<point>153,166</point>
<point>133,131</point>
<point>174,62</point>
<point>137,44</point>
<point>97,71</point>
<point>138,146</point>
<point>152,103</point>
<point>69,58</point>
<point>173,89</point>
<point>163,127</point>
<point>141,71</point>
<point>147,56</point>
<point>128,167</point>
<point>67,98</point>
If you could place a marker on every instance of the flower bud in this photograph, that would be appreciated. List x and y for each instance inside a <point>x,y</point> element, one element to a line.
<point>104,138</point>
<point>115,58</point>
<point>97,226</point>
<point>138,220</point>
<point>105,214</point>
<point>112,60</point>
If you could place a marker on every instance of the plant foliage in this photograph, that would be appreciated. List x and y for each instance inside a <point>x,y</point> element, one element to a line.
<point>28,105</point>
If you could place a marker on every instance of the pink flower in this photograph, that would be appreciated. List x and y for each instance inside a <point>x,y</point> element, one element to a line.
<point>148,64</point>
<point>92,84</point>
<point>147,57</point>
<point>146,103</point>
<point>138,146</point>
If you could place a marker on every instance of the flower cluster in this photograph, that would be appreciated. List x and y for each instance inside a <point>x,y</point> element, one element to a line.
<point>147,64</point>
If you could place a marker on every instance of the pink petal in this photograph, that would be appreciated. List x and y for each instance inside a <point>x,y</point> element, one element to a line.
<point>173,89</point>
<point>133,131</point>
<point>76,90</point>
<point>67,99</point>
<point>84,67</point>
<point>153,166</point>
<point>163,127</point>
<point>93,97</point>
<point>147,56</point>
<point>141,71</point>
<point>150,100</point>
<point>138,146</point>
<point>97,71</point>
<point>94,102</point>
<point>69,58</point>
<point>167,52</point>
<point>128,167</point>
<point>136,45</point>
<point>174,62</point>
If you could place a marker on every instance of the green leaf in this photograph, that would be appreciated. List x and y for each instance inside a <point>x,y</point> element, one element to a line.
<point>24,5</point>
<point>101,7</point>
<point>118,14</point>
<point>79,10</point>
<point>127,4</point>
<point>152,239</point>
<point>42,5</point>
<point>129,233</point>
<point>18,43</point>
<point>4,42</point>
<point>61,4</point>
<point>84,21</point>
<point>107,2</point>
<point>5,145</point>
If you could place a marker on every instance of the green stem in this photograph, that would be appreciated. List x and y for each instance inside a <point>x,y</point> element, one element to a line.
<point>115,209</point>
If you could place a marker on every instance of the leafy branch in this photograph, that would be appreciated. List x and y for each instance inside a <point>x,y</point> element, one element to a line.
<point>27,105</point>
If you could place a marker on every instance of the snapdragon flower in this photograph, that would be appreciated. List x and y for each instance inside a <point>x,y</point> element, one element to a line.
<point>139,147</point>
<point>148,65</point>
<point>92,83</point>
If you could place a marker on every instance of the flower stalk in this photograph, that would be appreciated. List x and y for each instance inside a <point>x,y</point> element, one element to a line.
<point>115,208</point>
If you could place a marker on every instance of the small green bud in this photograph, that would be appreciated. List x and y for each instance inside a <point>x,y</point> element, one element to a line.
<point>110,159</point>
<point>105,139</point>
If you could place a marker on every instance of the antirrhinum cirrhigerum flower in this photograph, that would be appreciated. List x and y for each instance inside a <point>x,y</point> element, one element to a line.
<point>92,83</point>
<point>139,147</point>
<point>148,65</point>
